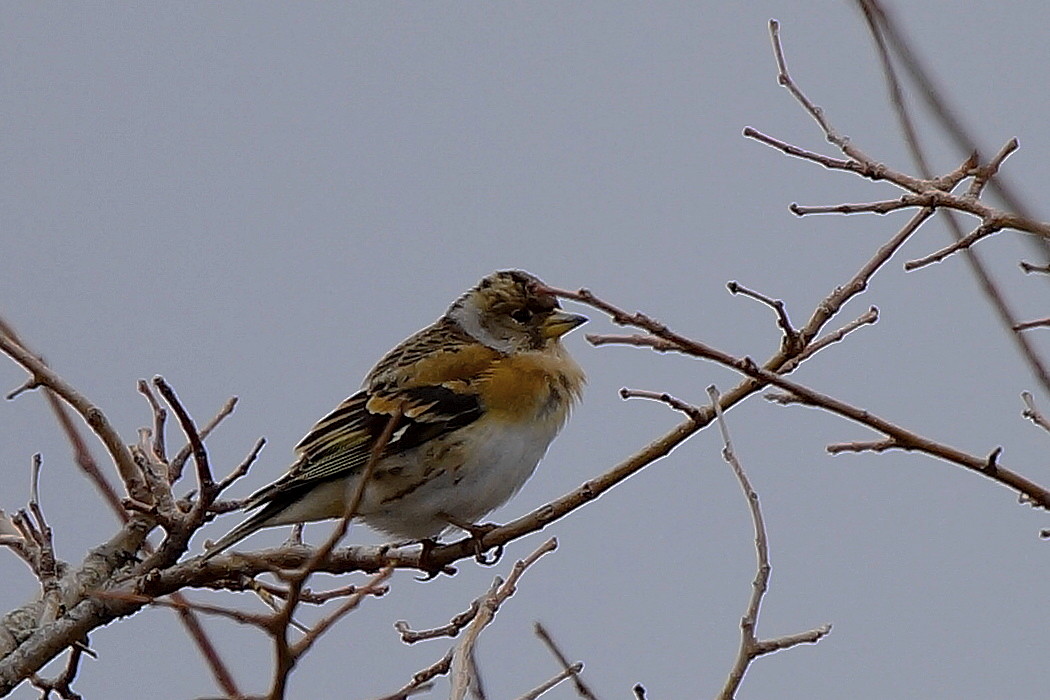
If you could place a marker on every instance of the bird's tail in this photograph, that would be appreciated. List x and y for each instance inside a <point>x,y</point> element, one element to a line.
<point>249,526</point>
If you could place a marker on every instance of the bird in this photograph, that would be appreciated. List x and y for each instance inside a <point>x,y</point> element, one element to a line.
<point>459,415</point>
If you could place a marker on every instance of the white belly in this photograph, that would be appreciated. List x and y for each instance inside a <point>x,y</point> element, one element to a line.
<point>413,498</point>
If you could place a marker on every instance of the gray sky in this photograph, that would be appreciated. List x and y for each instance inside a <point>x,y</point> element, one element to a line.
<point>260,200</point>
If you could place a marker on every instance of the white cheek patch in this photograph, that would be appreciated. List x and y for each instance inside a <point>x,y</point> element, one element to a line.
<point>468,316</point>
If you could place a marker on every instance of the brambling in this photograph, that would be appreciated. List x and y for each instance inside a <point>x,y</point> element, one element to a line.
<point>476,399</point>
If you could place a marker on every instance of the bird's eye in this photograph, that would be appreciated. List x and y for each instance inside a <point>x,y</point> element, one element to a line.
<point>521,315</point>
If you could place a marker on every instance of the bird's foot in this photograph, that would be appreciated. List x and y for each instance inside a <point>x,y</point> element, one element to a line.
<point>477,533</point>
<point>432,568</point>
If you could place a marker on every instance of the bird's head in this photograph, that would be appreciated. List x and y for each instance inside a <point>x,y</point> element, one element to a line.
<point>512,311</point>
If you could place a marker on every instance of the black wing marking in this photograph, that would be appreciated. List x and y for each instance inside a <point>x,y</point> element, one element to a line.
<point>342,442</point>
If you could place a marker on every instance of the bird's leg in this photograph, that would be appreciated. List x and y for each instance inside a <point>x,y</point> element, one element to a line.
<point>295,537</point>
<point>432,569</point>
<point>477,533</point>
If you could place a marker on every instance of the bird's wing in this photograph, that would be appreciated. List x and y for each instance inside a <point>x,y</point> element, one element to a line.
<point>344,439</point>
<point>342,442</point>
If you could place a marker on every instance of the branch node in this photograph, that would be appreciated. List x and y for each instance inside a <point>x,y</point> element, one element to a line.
<point>992,465</point>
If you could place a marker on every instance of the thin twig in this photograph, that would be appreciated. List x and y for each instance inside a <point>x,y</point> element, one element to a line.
<point>885,206</point>
<point>750,645</point>
<point>373,588</point>
<point>867,318</point>
<point>160,416</point>
<point>420,682</point>
<point>63,683</point>
<point>205,480</point>
<point>568,672</point>
<point>42,375</point>
<point>244,466</point>
<point>1037,323</point>
<point>452,629</point>
<point>1032,413</point>
<point>184,604</point>
<point>499,592</point>
<point>818,158</point>
<point>791,338</point>
<point>1028,268</point>
<point>885,34</point>
<point>883,23</point>
<point>219,670</point>
<point>178,462</point>
<point>965,242</point>
<point>581,688</point>
<point>689,409</point>
<point>82,456</point>
<point>861,446</point>
<point>287,653</point>
<point>907,440</point>
<point>986,172</point>
<point>784,79</point>
<point>355,501</point>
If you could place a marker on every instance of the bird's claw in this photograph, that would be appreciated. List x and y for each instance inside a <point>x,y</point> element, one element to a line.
<point>477,535</point>
<point>479,554</point>
<point>430,567</point>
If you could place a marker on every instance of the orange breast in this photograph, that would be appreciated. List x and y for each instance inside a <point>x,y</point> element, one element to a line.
<point>520,387</point>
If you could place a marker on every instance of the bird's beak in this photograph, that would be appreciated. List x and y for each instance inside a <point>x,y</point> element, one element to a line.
<point>560,322</point>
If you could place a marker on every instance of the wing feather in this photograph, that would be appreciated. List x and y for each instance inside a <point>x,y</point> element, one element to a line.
<point>342,442</point>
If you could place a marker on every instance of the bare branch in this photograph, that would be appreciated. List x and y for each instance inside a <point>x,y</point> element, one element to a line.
<point>162,502</point>
<point>244,466</point>
<point>490,604</point>
<point>47,567</point>
<point>355,501</point>
<point>885,34</point>
<point>205,481</point>
<point>883,24</point>
<point>750,646</point>
<point>452,629</point>
<point>373,588</point>
<point>881,207</point>
<point>870,446</point>
<point>784,79</point>
<point>1032,413</point>
<point>62,685</point>
<point>179,461</point>
<point>219,670</point>
<point>183,604</point>
<point>42,375</point>
<point>160,416</point>
<point>982,231</point>
<point>567,672</point>
<point>932,191</point>
<point>867,318</point>
<point>1028,267</point>
<point>664,338</point>
<point>986,172</point>
<point>287,654</point>
<point>818,158</point>
<point>677,404</point>
<point>420,682</point>
<point>82,456</point>
<point>12,538</point>
<point>1028,325</point>
<point>791,337</point>
<point>581,688</point>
